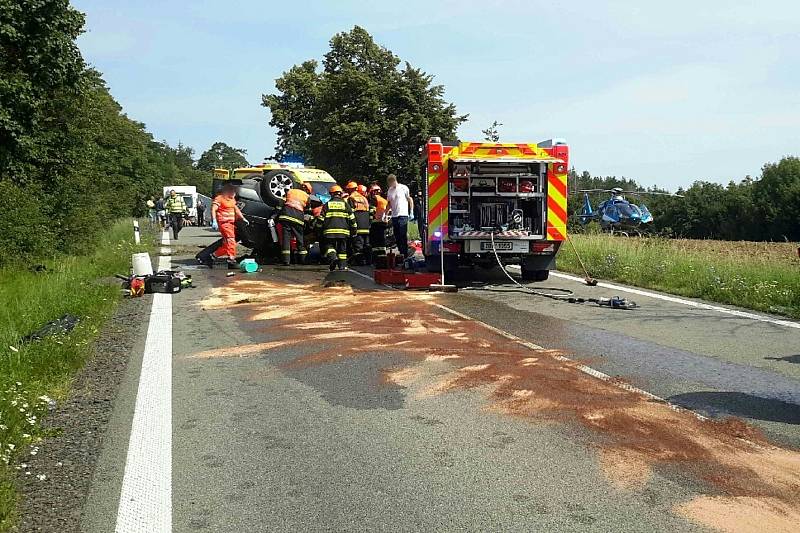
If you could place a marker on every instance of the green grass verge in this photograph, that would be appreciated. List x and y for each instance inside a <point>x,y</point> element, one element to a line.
<point>36,375</point>
<point>760,276</point>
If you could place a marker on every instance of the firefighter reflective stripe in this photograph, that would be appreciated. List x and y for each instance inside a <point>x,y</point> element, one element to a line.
<point>291,219</point>
<point>334,214</point>
<point>336,231</point>
<point>342,256</point>
<point>363,231</point>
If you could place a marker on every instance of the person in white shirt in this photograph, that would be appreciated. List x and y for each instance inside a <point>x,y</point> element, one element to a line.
<point>402,205</point>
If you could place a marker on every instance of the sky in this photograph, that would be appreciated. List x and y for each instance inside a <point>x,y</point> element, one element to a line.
<point>666,93</point>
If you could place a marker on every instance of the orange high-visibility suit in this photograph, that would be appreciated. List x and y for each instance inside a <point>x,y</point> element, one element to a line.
<point>377,231</point>
<point>227,215</point>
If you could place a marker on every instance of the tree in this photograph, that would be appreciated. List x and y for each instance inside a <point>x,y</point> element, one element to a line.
<point>492,133</point>
<point>220,155</point>
<point>70,159</point>
<point>40,64</point>
<point>777,197</point>
<point>361,114</point>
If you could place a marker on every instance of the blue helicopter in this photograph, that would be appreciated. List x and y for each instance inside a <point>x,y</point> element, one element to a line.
<point>617,214</point>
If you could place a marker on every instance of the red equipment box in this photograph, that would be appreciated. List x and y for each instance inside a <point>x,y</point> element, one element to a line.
<point>389,277</point>
<point>421,280</point>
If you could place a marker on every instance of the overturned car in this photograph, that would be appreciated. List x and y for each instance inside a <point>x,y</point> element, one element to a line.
<point>261,190</point>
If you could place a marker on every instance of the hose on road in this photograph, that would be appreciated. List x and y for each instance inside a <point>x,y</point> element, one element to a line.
<point>563,295</point>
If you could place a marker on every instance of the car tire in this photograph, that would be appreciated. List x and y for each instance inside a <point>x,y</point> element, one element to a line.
<point>535,275</point>
<point>274,186</point>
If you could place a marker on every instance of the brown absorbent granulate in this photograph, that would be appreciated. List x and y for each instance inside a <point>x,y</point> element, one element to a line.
<point>635,434</point>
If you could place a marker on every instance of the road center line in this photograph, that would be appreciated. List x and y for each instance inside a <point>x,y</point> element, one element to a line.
<point>581,367</point>
<point>145,503</point>
<point>690,303</point>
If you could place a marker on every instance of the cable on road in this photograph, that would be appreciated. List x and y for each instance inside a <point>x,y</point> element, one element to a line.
<point>561,295</point>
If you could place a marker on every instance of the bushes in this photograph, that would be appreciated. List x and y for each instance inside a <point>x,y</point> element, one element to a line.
<point>32,372</point>
<point>70,160</point>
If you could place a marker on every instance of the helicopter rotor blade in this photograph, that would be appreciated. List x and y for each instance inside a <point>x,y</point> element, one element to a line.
<point>652,193</point>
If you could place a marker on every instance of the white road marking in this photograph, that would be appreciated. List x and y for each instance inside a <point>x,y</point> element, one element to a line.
<point>145,503</point>
<point>581,367</point>
<point>690,303</point>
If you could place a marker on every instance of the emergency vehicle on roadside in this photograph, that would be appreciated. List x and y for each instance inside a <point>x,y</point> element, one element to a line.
<point>481,198</point>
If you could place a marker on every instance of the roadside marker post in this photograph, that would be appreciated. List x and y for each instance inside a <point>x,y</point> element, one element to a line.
<point>137,238</point>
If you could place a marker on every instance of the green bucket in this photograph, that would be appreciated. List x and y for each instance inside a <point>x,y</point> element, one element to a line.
<point>248,265</point>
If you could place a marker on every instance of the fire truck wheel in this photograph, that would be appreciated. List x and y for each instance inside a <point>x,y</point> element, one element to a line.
<point>535,275</point>
<point>274,186</point>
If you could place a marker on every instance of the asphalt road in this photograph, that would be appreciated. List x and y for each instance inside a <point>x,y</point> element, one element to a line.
<point>357,408</point>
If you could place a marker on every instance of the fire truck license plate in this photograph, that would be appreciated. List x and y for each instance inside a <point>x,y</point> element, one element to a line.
<point>498,245</point>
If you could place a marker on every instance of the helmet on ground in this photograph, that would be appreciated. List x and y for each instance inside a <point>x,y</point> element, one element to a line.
<point>362,189</point>
<point>335,189</point>
<point>351,186</point>
<point>375,189</point>
<point>307,187</point>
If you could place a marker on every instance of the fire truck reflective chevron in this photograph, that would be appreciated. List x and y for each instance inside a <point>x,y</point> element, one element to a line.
<point>478,189</point>
<point>557,206</point>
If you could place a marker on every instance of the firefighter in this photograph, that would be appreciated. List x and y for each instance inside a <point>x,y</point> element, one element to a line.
<point>338,224</point>
<point>360,206</point>
<point>292,219</point>
<point>379,208</point>
<point>315,229</point>
<point>224,215</point>
<point>176,209</point>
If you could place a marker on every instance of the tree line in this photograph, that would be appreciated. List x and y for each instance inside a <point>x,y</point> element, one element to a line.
<point>763,209</point>
<point>71,160</point>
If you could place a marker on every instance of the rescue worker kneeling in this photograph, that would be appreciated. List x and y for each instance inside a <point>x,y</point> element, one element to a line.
<point>292,219</point>
<point>338,225</point>
<point>360,206</point>
<point>379,208</point>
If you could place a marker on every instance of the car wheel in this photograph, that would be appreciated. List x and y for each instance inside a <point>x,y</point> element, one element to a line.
<point>275,185</point>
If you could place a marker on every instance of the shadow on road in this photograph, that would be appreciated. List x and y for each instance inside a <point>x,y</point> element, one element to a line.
<point>718,404</point>
<point>788,358</point>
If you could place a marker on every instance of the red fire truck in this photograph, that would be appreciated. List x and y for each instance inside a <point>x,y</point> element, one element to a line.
<point>484,197</point>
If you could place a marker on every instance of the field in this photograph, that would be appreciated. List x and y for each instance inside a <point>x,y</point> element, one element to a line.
<point>760,276</point>
<point>35,375</point>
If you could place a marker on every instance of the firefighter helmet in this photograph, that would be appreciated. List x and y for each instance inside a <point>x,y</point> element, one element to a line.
<point>351,186</point>
<point>362,189</point>
<point>335,189</point>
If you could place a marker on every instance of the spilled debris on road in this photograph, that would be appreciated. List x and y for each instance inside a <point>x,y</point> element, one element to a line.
<point>750,483</point>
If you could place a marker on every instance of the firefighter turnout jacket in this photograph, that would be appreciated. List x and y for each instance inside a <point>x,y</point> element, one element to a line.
<point>338,220</point>
<point>360,206</point>
<point>294,207</point>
